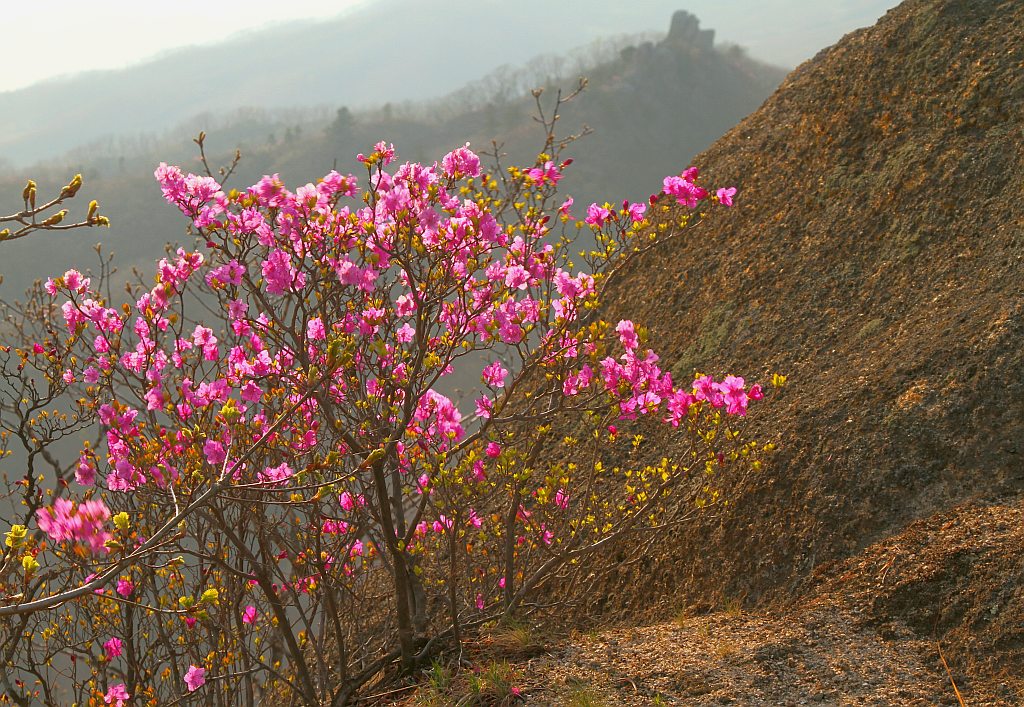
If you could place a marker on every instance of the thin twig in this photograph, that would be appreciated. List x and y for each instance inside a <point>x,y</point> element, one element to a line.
<point>956,691</point>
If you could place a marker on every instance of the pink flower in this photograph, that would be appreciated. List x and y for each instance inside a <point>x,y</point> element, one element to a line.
<point>577,382</point>
<point>683,188</point>
<point>72,316</point>
<point>347,501</point>
<point>85,472</point>
<point>75,282</point>
<point>494,375</point>
<point>734,395</point>
<point>564,208</point>
<point>725,195</point>
<point>315,330</point>
<point>112,648</point>
<point>597,215</point>
<point>405,334</point>
<point>229,273</point>
<point>627,334</point>
<point>478,471</point>
<point>442,523</point>
<point>84,524</point>
<point>547,535</point>
<point>678,405</point>
<point>547,173</point>
<point>484,407</point>
<point>277,474</point>
<point>517,277</point>
<point>280,275</point>
<point>195,678</point>
<point>204,338</point>
<point>387,152</point>
<point>637,211</point>
<point>125,587</point>
<point>562,499</point>
<point>117,695</point>
<point>251,392</point>
<point>493,450</point>
<point>405,305</point>
<point>461,162</point>
<point>249,614</point>
<point>215,452</point>
<point>704,388</point>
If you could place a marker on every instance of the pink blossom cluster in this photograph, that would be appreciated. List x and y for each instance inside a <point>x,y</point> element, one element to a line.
<point>84,523</point>
<point>335,314</point>
<point>641,387</point>
<point>730,393</point>
<point>503,278</point>
<point>684,189</point>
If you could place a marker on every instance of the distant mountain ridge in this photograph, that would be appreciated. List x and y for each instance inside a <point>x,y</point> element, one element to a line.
<point>653,107</point>
<point>351,60</point>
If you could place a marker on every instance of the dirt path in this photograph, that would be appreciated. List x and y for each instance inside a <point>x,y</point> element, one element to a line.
<point>818,657</point>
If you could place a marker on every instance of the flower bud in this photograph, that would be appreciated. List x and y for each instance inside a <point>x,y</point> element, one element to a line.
<point>121,521</point>
<point>334,353</point>
<point>375,456</point>
<point>73,186</point>
<point>230,411</point>
<point>56,218</point>
<point>16,536</point>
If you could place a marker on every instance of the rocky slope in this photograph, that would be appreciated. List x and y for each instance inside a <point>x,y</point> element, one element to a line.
<point>876,257</point>
<point>868,632</point>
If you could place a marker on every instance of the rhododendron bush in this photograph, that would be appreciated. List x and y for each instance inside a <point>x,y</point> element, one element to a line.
<point>286,497</point>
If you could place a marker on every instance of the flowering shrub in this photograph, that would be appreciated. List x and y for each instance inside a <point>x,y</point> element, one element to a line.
<point>286,498</point>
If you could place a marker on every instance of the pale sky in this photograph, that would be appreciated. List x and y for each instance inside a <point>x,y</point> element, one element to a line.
<point>49,38</point>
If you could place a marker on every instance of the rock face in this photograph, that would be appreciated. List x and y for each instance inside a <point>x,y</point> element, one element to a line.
<point>685,30</point>
<point>876,257</point>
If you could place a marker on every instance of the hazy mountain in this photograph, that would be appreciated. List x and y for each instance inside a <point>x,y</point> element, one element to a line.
<point>378,52</point>
<point>387,50</point>
<point>652,107</point>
